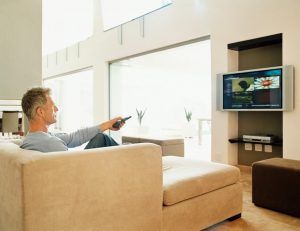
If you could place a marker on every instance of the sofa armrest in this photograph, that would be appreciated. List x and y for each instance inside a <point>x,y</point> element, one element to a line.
<point>114,188</point>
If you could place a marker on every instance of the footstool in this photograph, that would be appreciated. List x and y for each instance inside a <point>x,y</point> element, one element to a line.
<point>169,145</point>
<point>198,194</point>
<point>276,185</point>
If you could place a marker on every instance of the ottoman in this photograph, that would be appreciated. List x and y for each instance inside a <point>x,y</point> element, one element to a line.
<point>169,145</point>
<point>198,194</point>
<point>276,185</point>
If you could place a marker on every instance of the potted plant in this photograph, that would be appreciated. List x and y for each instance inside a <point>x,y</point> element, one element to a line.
<point>188,128</point>
<point>188,115</point>
<point>140,115</point>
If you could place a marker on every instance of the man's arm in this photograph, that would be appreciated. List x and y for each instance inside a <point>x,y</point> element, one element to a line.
<point>84,135</point>
<point>79,137</point>
<point>109,124</point>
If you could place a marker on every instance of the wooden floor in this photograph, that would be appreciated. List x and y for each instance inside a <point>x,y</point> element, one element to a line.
<point>256,218</point>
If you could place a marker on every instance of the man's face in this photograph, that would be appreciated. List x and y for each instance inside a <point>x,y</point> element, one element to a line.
<point>49,111</point>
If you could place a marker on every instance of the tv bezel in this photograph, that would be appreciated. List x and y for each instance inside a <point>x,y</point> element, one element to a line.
<point>287,87</point>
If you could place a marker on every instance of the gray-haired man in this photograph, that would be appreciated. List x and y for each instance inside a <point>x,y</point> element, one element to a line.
<point>40,110</point>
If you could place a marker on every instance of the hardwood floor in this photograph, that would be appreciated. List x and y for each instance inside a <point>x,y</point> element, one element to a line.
<point>255,218</point>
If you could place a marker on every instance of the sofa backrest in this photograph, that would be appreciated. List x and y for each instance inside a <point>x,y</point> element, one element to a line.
<point>114,188</point>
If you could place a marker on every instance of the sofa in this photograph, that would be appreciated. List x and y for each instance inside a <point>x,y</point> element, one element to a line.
<point>127,187</point>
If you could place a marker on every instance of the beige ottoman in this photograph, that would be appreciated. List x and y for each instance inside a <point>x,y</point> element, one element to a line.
<point>170,146</point>
<point>198,194</point>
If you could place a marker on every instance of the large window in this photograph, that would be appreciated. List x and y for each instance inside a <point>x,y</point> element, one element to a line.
<point>66,22</point>
<point>73,96</point>
<point>165,84</point>
<point>117,12</point>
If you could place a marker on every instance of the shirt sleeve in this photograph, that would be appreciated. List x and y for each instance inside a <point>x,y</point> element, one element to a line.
<point>79,137</point>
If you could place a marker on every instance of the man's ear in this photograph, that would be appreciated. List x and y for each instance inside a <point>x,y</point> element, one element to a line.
<point>39,111</point>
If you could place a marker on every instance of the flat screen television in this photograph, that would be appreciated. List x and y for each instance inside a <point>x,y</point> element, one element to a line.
<point>266,89</point>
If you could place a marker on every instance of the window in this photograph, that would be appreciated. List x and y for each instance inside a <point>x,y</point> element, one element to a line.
<point>117,12</point>
<point>165,83</point>
<point>73,96</point>
<point>65,22</point>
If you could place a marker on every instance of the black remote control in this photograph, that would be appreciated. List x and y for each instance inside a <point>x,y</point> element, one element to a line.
<point>118,123</point>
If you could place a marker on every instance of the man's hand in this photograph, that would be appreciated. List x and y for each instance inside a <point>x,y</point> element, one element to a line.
<point>109,125</point>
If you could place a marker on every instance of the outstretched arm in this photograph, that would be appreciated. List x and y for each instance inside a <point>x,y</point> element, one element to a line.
<point>84,135</point>
<point>109,124</point>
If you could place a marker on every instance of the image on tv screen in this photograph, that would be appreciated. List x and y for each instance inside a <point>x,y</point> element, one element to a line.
<point>253,90</point>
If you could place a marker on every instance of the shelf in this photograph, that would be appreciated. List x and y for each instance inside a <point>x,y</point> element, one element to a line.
<point>240,140</point>
<point>255,43</point>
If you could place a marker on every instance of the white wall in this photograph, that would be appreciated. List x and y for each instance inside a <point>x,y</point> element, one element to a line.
<point>226,21</point>
<point>233,21</point>
<point>20,47</point>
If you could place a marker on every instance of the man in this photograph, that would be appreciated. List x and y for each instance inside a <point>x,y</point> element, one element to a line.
<point>40,110</point>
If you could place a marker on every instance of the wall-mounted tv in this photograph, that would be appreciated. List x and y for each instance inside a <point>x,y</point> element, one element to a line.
<point>266,89</point>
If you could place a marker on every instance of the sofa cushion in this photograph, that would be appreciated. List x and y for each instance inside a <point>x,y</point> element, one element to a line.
<point>184,178</point>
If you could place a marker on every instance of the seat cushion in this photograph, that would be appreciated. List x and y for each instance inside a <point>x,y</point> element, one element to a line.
<point>184,178</point>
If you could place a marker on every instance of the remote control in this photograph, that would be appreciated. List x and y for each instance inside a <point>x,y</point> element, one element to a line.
<point>118,123</point>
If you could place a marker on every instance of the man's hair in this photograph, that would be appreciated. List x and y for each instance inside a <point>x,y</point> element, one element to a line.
<point>33,99</point>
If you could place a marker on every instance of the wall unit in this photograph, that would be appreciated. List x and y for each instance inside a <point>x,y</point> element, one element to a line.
<point>258,53</point>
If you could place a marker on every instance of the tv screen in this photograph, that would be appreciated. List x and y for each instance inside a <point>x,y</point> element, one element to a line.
<point>260,89</point>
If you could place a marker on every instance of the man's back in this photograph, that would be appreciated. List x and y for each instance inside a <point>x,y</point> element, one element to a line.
<point>43,142</point>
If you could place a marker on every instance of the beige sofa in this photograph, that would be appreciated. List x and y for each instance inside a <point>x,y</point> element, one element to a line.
<point>128,187</point>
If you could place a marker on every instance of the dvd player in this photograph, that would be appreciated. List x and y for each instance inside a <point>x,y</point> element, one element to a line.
<point>261,139</point>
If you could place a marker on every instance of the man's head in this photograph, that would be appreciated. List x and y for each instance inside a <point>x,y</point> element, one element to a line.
<point>37,104</point>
